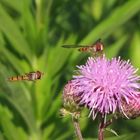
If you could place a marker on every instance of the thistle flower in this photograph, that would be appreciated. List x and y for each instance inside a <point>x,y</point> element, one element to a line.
<point>103,84</point>
<point>71,106</point>
<point>132,110</point>
<point>71,100</point>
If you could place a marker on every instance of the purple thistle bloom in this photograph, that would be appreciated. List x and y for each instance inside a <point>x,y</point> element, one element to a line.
<point>103,84</point>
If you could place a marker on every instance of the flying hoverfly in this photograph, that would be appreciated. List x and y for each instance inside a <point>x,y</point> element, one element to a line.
<point>95,49</point>
<point>31,76</point>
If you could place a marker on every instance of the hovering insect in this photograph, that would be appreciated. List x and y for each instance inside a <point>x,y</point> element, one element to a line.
<point>31,76</point>
<point>95,49</point>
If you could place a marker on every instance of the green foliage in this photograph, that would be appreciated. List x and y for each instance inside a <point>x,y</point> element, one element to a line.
<point>31,35</point>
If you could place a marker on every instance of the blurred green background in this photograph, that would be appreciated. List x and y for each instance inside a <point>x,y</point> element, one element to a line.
<point>31,35</point>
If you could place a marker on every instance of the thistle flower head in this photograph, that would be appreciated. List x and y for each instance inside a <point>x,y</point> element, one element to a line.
<point>70,99</point>
<point>103,83</point>
<point>132,110</point>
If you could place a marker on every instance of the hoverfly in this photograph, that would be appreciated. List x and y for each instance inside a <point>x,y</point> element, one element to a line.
<point>31,76</point>
<point>95,49</point>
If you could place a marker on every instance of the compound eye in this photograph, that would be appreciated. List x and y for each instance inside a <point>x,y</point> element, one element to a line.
<point>39,76</point>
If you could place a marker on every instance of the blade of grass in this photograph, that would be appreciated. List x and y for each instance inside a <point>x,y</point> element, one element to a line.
<point>114,49</point>
<point>117,18</point>
<point>11,132</point>
<point>11,58</point>
<point>134,50</point>
<point>14,35</point>
<point>14,4</point>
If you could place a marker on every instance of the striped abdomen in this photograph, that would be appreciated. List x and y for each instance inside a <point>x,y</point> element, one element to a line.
<point>18,78</point>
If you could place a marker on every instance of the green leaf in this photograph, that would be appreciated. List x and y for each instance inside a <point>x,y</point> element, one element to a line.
<point>97,9</point>
<point>11,132</point>
<point>134,50</point>
<point>112,131</point>
<point>48,131</point>
<point>54,108</point>
<point>113,50</point>
<point>11,58</point>
<point>14,4</point>
<point>58,58</point>
<point>13,33</point>
<point>118,17</point>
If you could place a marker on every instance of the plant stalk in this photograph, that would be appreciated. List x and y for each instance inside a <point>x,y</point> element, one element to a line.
<point>101,130</point>
<point>77,128</point>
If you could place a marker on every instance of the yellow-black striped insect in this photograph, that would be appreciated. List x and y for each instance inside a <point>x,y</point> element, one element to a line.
<point>94,49</point>
<point>31,76</point>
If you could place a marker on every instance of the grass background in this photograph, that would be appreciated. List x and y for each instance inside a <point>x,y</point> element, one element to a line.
<point>31,35</point>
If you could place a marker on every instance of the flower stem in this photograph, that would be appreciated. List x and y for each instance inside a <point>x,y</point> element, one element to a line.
<point>104,125</point>
<point>77,128</point>
<point>101,130</point>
